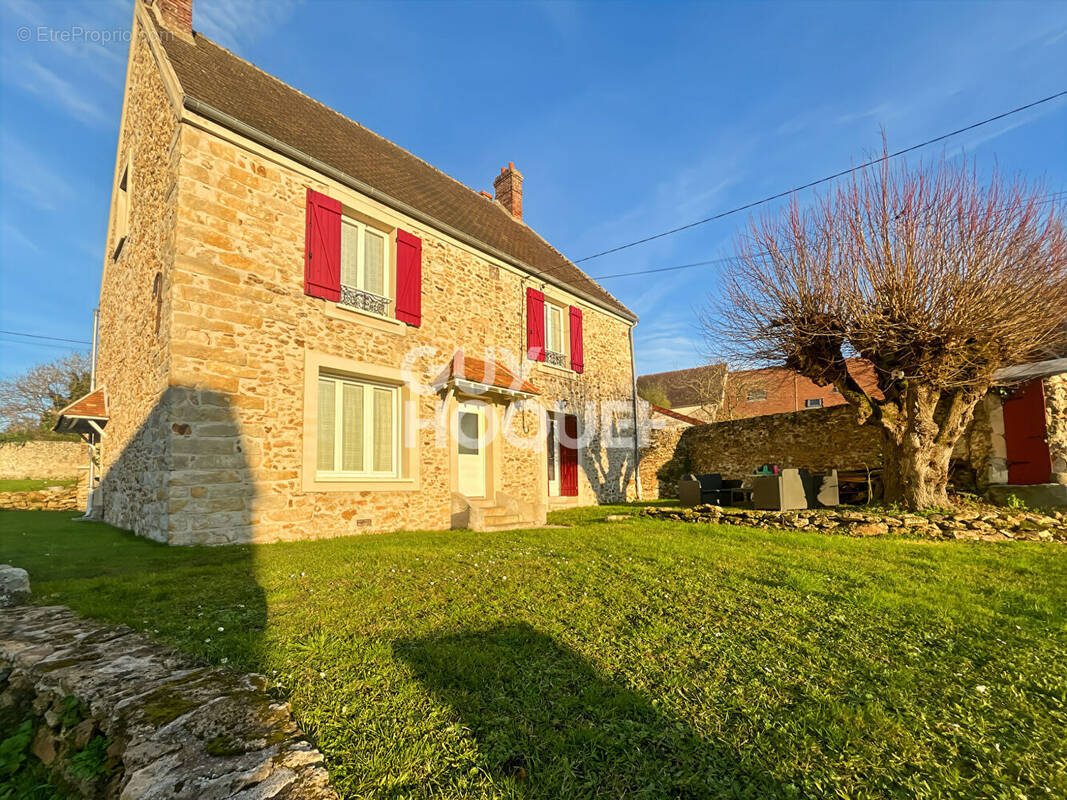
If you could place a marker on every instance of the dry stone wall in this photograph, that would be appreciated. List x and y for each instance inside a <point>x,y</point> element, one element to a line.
<point>1056,419</point>
<point>169,728</point>
<point>42,459</point>
<point>56,498</point>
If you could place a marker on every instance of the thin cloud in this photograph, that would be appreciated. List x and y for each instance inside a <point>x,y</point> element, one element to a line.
<point>37,79</point>
<point>241,22</point>
<point>30,176</point>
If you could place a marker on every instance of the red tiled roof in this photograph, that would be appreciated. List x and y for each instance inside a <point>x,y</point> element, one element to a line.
<point>75,418</point>
<point>682,417</point>
<point>215,77</point>
<point>93,405</point>
<point>486,373</point>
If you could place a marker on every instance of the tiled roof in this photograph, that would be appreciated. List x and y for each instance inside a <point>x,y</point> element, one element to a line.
<point>688,387</point>
<point>75,417</point>
<point>485,373</point>
<point>92,405</point>
<point>216,77</point>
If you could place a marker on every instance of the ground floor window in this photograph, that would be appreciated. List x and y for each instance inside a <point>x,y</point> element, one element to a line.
<point>358,430</point>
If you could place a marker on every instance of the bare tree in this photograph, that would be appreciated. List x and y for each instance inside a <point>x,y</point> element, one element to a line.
<point>29,402</point>
<point>937,277</point>
<point>705,387</point>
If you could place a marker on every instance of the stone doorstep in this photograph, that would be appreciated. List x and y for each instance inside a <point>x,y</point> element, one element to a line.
<point>184,731</point>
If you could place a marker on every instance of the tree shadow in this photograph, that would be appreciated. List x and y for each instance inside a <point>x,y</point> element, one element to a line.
<point>549,724</point>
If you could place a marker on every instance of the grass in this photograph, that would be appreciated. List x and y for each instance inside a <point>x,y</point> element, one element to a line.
<point>638,658</point>
<point>34,484</point>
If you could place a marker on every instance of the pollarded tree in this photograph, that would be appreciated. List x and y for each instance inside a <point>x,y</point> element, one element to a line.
<point>935,276</point>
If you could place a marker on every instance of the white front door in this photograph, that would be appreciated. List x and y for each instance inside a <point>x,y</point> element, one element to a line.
<point>470,441</point>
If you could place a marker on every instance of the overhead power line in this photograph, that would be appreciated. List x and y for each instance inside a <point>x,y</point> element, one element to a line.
<point>726,259</point>
<point>38,336</point>
<point>825,179</point>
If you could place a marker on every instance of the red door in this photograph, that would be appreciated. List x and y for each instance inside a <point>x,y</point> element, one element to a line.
<point>568,457</point>
<point>1025,435</point>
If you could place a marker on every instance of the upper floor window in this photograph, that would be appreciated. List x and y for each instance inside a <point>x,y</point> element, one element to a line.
<point>358,429</point>
<point>757,394</point>
<point>122,211</point>
<point>555,336</point>
<point>364,267</point>
<point>813,402</point>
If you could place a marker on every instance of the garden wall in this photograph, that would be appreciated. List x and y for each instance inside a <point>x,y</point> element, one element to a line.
<point>818,440</point>
<point>42,459</point>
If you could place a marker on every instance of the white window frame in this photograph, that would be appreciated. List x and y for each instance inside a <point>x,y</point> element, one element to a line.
<point>813,402</point>
<point>361,275</point>
<point>367,387</point>
<point>562,343</point>
<point>756,396</point>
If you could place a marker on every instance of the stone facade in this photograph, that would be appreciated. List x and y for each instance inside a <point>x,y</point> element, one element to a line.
<point>209,434</point>
<point>43,459</point>
<point>133,361</point>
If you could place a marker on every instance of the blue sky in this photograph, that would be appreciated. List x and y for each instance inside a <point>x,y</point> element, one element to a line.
<point>626,119</point>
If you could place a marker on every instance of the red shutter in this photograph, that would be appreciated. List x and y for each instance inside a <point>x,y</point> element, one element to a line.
<point>408,278</point>
<point>577,350</point>
<point>568,457</point>
<point>535,324</point>
<point>322,247</point>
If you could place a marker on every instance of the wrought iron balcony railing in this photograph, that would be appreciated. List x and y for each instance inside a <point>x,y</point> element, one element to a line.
<point>364,301</point>
<point>556,359</point>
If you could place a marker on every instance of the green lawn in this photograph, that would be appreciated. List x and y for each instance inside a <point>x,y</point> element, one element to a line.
<point>626,659</point>
<point>34,484</point>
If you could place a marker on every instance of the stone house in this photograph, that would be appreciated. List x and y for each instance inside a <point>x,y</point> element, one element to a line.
<point>306,331</point>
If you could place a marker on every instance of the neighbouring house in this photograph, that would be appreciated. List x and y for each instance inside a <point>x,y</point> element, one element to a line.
<point>713,393</point>
<point>307,331</point>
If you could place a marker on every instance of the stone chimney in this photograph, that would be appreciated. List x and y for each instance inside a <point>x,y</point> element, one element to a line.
<point>174,15</point>
<point>508,188</point>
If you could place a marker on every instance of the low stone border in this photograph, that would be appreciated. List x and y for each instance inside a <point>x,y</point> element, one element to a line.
<point>987,525</point>
<point>55,498</point>
<point>172,728</point>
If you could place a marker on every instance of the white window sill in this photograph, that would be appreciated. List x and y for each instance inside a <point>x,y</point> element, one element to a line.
<point>544,365</point>
<point>335,484</point>
<point>359,316</point>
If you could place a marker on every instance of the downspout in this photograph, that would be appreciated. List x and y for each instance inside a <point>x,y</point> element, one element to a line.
<point>633,394</point>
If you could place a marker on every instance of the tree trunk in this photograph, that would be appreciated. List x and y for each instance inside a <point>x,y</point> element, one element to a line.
<point>917,444</point>
<point>915,474</point>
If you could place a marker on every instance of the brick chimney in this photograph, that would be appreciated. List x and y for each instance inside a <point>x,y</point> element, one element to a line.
<point>508,188</point>
<point>174,15</point>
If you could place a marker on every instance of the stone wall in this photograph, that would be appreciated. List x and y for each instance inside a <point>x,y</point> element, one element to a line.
<point>57,498</point>
<point>43,459</point>
<point>663,462</point>
<point>817,440</point>
<point>206,441</point>
<point>134,301</point>
<point>153,723</point>
<point>1056,419</point>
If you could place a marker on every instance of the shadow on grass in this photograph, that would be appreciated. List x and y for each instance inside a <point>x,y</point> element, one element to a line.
<point>548,724</point>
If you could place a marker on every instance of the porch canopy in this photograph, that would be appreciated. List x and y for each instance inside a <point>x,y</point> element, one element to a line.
<point>86,416</point>
<point>474,376</point>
